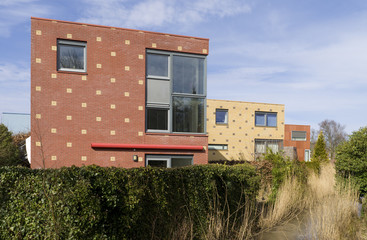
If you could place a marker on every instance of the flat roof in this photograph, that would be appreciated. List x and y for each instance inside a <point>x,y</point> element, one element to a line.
<point>233,101</point>
<point>117,28</point>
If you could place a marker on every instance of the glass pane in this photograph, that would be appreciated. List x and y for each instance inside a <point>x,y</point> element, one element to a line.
<point>157,119</point>
<point>259,119</point>
<point>188,114</point>
<point>188,75</point>
<point>307,155</point>
<point>221,116</point>
<point>217,147</point>
<point>157,163</point>
<point>181,162</point>
<point>271,119</point>
<point>260,147</point>
<point>298,135</point>
<point>71,57</point>
<point>158,91</point>
<point>273,146</point>
<point>157,65</point>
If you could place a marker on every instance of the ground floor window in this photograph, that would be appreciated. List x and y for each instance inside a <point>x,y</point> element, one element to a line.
<point>168,161</point>
<point>274,145</point>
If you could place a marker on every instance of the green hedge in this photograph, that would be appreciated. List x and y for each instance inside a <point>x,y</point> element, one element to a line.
<point>114,203</point>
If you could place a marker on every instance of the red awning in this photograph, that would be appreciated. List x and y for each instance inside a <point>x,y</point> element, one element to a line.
<point>147,146</point>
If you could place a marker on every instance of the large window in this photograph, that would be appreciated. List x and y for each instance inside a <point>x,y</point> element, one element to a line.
<point>176,92</point>
<point>221,116</point>
<point>266,119</point>
<point>71,56</point>
<point>274,145</point>
<point>168,161</point>
<point>299,135</point>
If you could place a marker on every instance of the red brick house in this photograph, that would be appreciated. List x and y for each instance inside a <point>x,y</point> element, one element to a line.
<point>116,97</point>
<point>298,136</point>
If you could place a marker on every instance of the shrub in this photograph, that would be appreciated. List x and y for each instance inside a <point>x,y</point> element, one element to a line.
<point>351,158</point>
<point>114,203</point>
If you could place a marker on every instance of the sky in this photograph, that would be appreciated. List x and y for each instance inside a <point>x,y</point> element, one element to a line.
<point>310,55</point>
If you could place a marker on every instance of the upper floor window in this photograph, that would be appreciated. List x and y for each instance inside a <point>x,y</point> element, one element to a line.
<point>71,56</point>
<point>175,92</point>
<point>299,135</point>
<point>221,116</point>
<point>266,119</point>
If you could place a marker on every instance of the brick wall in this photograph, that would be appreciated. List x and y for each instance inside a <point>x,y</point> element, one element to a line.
<point>106,104</point>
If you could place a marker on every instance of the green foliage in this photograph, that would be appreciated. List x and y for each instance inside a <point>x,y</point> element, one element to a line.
<point>320,154</point>
<point>9,153</point>
<point>351,158</point>
<point>114,203</point>
<point>282,168</point>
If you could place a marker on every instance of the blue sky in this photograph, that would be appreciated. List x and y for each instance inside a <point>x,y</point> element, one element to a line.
<point>310,55</point>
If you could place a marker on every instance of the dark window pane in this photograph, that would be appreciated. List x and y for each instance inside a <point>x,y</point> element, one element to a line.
<point>188,114</point>
<point>299,135</point>
<point>157,65</point>
<point>71,57</point>
<point>157,163</point>
<point>188,75</point>
<point>271,119</point>
<point>259,119</point>
<point>221,116</point>
<point>181,162</point>
<point>157,119</point>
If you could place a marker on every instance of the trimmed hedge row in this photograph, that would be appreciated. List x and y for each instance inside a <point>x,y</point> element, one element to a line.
<point>115,203</point>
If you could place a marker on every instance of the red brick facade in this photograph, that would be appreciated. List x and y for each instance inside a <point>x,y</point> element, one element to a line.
<point>69,110</point>
<point>300,145</point>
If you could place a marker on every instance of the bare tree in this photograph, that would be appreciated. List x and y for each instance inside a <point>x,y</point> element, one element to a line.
<point>334,134</point>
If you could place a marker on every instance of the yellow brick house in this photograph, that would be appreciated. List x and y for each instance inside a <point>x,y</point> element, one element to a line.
<point>243,130</point>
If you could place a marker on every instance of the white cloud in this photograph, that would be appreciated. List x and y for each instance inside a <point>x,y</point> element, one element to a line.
<point>14,12</point>
<point>154,13</point>
<point>10,73</point>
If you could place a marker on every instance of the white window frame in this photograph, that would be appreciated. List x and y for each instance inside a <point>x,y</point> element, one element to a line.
<point>309,155</point>
<point>218,147</point>
<point>76,44</point>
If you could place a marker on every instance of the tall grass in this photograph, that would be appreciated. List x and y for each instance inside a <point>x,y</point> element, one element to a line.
<point>332,206</point>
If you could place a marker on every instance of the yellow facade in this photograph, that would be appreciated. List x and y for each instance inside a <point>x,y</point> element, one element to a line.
<point>239,132</point>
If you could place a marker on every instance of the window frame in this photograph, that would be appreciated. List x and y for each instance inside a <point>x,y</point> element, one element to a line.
<point>169,105</point>
<point>299,139</point>
<point>309,155</point>
<point>280,143</point>
<point>223,146</point>
<point>227,115</point>
<point>71,43</point>
<point>167,158</point>
<point>266,119</point>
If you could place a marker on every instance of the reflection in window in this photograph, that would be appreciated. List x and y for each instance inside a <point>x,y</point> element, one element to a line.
<point>71,56</point>
<point>188,75</point>
<point>157,65</point>
<point>265,119</point>
<point>188,114</point>
<point>221,116</point>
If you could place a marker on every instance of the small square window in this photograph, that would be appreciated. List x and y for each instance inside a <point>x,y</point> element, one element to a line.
<point>157,65</point>
<point>221,116</point>
<point>71,56</point>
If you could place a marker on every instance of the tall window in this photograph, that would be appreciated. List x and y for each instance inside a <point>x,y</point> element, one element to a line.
<point>266,119</point>
<point>71,56</point>
<point>307,155</point>
<point>299,135</point>
<point>221,116</point>
<point>176,92</point>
